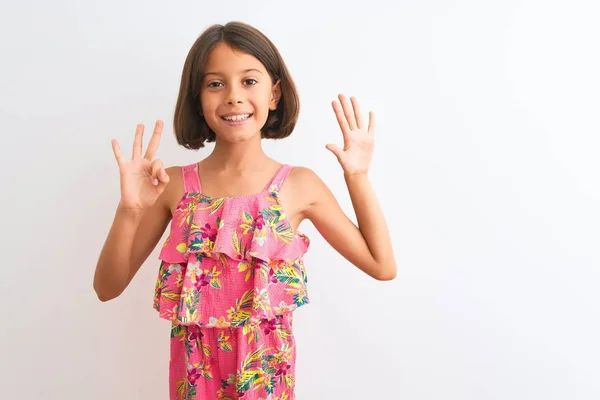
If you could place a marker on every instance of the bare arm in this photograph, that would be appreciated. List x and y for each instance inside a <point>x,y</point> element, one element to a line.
<point>132,237</point>
<point>368,245</point>
<point>140,219</point>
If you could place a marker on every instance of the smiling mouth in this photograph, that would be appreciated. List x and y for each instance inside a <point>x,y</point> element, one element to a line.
<point>237,118</point>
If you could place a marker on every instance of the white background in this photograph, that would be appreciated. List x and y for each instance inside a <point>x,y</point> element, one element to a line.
<point>486,166</point>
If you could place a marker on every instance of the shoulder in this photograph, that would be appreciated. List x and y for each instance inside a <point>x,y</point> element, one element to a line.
<point>314,198</point>
<point>303,176</point>
<point>174,170</point>
<point>175,173</point>
<point>174,190</point>
<point>306,183</point>
<point>299,172</point>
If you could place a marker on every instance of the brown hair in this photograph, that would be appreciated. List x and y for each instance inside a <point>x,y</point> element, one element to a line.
<point>191,129</point>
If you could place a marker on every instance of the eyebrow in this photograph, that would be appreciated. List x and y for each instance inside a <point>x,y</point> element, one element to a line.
<point>243,72</point>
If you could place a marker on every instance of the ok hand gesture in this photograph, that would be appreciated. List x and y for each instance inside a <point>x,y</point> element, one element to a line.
<point>143,179</point>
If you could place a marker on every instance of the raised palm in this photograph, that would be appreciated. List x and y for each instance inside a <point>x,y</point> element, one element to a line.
<point>357,153</point>
<point>143,179</point>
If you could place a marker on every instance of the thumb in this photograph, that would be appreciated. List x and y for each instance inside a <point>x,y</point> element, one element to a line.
<point>162,181</point>
<point>335,149</point>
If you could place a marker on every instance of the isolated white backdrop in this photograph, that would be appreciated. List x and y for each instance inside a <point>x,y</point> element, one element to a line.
<point>486,165</point>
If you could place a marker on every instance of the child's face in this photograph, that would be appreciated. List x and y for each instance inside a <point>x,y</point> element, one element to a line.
<point>236,83</point>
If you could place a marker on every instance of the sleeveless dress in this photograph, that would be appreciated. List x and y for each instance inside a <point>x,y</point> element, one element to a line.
<point>231,274</point>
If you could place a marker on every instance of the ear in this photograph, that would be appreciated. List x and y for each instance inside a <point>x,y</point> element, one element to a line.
<point>275,95</point>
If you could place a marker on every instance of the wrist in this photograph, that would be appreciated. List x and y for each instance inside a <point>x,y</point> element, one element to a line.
<point>356,176</point>
<point>128,212</point>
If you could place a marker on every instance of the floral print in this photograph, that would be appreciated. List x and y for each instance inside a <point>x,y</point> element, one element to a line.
<point>230,276</point>
<point>256,362</point>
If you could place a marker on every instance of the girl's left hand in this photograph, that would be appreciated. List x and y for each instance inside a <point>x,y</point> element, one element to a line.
<point>356,155</point>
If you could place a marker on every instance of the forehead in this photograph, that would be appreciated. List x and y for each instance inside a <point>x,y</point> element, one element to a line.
<point>224,60</point>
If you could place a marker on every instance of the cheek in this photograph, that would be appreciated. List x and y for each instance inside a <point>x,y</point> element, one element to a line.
<point>263,108</point>
<point>210,99</point>
<point>261,115</point>
<point>205,101</point>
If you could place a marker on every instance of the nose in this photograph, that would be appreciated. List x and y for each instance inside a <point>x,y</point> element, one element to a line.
<point>233,96</point>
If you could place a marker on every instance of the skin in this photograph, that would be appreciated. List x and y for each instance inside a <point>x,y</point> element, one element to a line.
<point>237,166</point>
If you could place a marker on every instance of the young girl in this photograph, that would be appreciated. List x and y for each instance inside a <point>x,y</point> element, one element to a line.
<point>231,270</point>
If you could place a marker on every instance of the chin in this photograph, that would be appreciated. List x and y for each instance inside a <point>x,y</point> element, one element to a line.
<point>239,137</point>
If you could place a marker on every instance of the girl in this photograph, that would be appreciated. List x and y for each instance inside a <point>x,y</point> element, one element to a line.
<point>232,270</point>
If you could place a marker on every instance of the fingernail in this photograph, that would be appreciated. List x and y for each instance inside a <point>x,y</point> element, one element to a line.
<point>155,182</point>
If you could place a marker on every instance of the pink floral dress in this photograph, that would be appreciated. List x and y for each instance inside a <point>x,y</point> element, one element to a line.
<point>231,274</point>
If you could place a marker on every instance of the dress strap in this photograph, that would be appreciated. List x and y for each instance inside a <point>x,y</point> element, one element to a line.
<point>279,177</point>
<point>191,179</point>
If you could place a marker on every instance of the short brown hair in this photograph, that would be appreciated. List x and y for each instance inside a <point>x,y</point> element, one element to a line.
<point>191,129</point>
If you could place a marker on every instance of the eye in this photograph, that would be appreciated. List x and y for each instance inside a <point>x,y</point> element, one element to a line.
<point>251,80</point>
<point>212,84</point>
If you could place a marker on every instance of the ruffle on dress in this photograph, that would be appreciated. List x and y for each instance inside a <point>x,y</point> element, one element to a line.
<point>230,261</point>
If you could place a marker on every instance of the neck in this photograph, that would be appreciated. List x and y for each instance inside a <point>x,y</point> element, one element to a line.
<point>237,156</point>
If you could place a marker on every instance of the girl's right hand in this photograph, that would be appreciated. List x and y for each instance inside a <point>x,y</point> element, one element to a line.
<point>142,179</point>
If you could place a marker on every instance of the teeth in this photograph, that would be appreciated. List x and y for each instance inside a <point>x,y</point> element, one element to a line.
<point>239,117</point>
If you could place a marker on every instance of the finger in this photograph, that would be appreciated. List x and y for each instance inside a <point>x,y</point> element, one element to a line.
<point>348,112</point>
<point>164,178</point>
<point>336,150</point>
<point>157,171</point>
<point>137,141</point>
<point>339,114</point>
<point>357,114</point>
<point>154,141</point>
<point>118,154</point>
<point>160,173</point>
<point>371,128</point>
